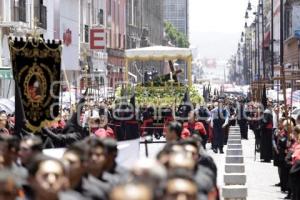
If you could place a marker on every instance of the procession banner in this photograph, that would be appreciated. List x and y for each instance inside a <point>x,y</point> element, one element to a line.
<point>36,65</point>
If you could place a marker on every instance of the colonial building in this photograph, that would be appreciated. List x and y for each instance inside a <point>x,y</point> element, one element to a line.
<point>116,31</point>
<point>17,17</point>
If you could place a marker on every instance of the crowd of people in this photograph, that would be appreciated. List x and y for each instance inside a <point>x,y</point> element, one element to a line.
<point>88,170</point>
<point>181,170</point>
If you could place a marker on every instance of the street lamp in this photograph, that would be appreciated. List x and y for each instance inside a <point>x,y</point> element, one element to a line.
<point>246,15</point>
<point>249,6</point>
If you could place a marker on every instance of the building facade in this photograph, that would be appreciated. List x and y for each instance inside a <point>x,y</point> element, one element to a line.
<point>176,12</point>
<point>18,17</point>
<point>116,44</point>
<point>144,27</point>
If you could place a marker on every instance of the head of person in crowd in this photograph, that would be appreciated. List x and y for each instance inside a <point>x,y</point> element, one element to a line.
<point>3,123</point>
<point>111,146</point>
<point>296,133</point>
<point>197,138</point>
<point>174,131</point>
<point>288,126</point>
<point>149,170</point>
<point>191,147</point>
<point>10,186</point>
<point>135,190</point>
<point>180,185</point>
<point>182,160</point>
<point>94,120</point>
<point>280,124</point>
<point>75,161</point>
<point>47,177</point>
<point>103,119</point>
<point>3,119</point>
<point>192,117</point>
<point>96,156</point>
<point>276,110</point>
<point>164,155</point>
<point>9,146</point>
<point>29,147</point>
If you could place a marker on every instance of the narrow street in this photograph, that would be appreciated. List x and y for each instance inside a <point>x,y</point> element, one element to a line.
<point>261,177</point>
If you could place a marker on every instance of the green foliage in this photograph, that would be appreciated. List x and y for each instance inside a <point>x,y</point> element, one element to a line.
<point>176,37</point>
<point>167,95</point>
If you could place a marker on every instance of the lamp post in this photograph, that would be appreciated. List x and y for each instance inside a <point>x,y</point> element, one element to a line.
<point>255,47</point>
<point>258,42</point>
<point>263,35</point>
<point>272,39</point>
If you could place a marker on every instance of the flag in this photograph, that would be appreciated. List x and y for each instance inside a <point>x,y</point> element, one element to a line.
<point>264,99</point>
<point>36,69</point>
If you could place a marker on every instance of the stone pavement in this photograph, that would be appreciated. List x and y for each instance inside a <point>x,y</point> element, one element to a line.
<point>261,177</point>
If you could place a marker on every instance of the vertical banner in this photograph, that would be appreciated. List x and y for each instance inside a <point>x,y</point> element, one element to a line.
<point>36,66</point>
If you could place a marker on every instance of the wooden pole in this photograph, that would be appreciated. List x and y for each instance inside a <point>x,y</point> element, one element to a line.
<point>189,71</point>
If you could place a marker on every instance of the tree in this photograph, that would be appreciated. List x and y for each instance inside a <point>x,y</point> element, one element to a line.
<point>177,38</point>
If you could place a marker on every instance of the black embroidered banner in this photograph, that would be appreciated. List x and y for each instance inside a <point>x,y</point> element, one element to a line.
<point>36,66</point>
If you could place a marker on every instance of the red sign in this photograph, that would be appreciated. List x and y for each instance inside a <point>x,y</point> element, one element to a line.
<point>97,40</point>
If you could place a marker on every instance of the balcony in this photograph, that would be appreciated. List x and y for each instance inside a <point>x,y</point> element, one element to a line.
<point>19,14</point>
<point>40,13</point>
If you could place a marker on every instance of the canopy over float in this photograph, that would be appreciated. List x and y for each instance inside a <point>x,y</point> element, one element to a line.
<point>159,53</point>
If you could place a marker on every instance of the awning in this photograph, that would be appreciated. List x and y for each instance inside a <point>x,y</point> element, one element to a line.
<point>266,42</point>
<point>6,73</point>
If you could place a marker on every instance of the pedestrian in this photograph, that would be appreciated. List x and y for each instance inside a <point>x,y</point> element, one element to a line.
<point>176,132</point>
<point>280,154</point>
<point>295,169</point>
<point>242,120</point>
<point>203,117</point>
<point>255,125</point>
<point>196,127</point>
<point>219,120</point>
<point>266,136</point>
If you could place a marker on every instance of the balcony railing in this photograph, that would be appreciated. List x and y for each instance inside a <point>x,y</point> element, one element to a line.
<point>19,14</point>
<point>40,13</point>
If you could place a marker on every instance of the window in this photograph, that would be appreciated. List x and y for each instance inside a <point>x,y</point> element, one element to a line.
<point>40,14</point>
<point>109,7</point>
<point>19,10</point>
<point>101,17</point>
<point>288,23</point>
<point>86,33</point>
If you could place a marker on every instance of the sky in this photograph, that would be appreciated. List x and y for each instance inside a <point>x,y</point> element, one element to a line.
<point>216,26</point>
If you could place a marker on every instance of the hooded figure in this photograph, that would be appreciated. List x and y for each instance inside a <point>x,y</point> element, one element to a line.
<point>72,132</point>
